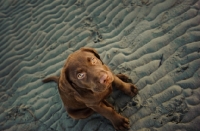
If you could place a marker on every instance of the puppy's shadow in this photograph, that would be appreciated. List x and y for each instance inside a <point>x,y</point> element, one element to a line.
<point>118,98</point>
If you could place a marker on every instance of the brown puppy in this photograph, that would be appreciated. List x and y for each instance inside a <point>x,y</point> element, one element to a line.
<point>85,82</point>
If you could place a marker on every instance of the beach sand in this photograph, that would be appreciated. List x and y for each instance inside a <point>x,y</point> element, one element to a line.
<point>155,42</point>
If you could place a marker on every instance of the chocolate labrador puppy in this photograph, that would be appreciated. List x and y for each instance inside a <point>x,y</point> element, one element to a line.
<point>85,82</point>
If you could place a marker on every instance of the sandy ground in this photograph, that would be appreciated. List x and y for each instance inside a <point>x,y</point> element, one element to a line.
<point>155,42</point>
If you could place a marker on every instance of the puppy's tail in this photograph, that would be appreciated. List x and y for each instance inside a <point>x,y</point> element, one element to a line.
<point>51,78</point>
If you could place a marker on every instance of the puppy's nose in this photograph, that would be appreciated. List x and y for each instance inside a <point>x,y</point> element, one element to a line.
<point>103,78</point>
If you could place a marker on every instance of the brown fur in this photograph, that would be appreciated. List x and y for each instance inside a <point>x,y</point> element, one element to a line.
<point>85,82</point>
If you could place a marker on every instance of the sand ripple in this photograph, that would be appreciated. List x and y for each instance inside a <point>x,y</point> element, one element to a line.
<point>155,42</point>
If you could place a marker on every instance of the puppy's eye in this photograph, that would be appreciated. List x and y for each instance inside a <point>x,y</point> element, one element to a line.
<point>81,75</point>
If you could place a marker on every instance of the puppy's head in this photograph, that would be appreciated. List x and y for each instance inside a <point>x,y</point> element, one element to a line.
<point>85,70</point>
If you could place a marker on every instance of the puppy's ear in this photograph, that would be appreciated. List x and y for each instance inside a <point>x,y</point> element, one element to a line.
<point>92,50</point>
<point>64,82</point>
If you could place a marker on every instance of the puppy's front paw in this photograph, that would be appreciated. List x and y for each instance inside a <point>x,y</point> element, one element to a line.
<point>123,77</point>
<point>132,90</point>
<point>121,123</point>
